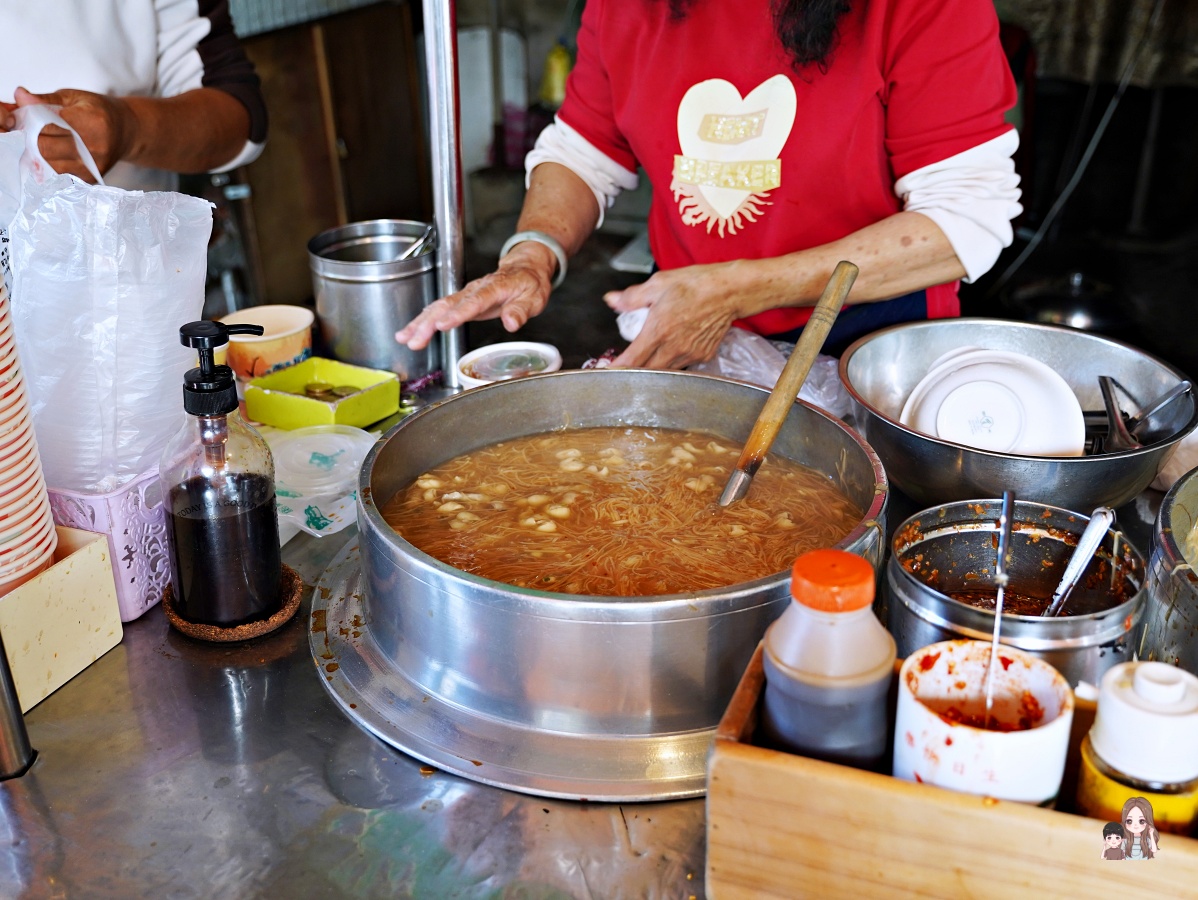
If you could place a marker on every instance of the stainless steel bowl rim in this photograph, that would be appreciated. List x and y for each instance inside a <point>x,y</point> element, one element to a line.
<point>1166,544</point>
<point>370,231</point>
<point>1116,614</point>
<point>847,356</point>
<point>578,607</point>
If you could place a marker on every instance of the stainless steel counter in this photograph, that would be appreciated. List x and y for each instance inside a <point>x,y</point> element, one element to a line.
<point>180,769</point>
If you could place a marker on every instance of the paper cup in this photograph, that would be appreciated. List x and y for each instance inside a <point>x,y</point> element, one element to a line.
<point>18,468</point>
<point>15,444</point>
<point>286,341</point>
<point>942,688</point>
<point>18,506</point>
<point>15,581</point>
<point>24,553</point>
<point>27,547</point>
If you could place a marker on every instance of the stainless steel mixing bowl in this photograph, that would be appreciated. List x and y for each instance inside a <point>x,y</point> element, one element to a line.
<point>590,696</point>
<point>880,370</point>
<point>1170,631</point>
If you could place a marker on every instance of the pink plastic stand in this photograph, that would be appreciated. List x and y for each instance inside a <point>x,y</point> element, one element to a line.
<point>134,520</point>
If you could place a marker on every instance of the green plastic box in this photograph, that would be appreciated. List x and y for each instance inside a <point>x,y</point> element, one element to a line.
<point>278,399</point>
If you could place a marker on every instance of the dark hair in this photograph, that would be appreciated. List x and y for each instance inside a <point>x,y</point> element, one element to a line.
<point>1114,829</point>
<point>806,28</point>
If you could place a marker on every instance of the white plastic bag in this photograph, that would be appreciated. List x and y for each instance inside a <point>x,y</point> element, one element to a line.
<point>102,280</point>
<point>750,357</point>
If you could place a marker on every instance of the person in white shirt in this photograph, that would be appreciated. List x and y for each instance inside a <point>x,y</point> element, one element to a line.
<point>153,87</point>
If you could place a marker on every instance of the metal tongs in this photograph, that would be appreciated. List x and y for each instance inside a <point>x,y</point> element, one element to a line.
<point>1125,432</point>
<point>1000,579</point>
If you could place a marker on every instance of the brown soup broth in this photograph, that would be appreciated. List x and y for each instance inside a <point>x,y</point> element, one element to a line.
<point>616,511</point>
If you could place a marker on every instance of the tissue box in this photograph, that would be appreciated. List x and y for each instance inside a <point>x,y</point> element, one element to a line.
<point>134,519</point>
<point>62,621</point>
<point>278,398</point>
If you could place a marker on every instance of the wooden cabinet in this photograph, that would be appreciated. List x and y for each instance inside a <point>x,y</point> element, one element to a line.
<point>346,138</point>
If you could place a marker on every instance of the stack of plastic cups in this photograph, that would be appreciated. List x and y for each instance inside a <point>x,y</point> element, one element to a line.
<point>27,535</point>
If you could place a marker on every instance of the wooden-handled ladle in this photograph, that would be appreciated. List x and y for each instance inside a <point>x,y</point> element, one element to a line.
<point>786,391</point>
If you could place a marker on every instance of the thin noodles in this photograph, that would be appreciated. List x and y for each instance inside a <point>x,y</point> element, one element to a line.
<point>625,512</point>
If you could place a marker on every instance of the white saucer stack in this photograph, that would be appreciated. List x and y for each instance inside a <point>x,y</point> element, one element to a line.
<point>27,535</point>
<point>997,400</point>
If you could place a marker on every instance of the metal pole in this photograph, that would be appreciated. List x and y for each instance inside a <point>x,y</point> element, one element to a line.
<point>440,57</point>
<point>15,752</point>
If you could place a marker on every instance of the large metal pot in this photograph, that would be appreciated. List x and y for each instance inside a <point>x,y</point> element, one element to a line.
<point>880,370</point>
<point>626,689</point>
<point>1170,631</point>
<point>365,293</point>
<point>951,548</point>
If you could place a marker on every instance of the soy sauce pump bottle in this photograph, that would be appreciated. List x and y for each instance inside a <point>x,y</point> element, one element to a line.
<point>217,478</point>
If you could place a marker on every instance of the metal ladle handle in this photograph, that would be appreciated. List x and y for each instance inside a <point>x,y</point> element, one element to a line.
<point>1087,545</point>
<point>1005,518</point>
<point>417,245</point>
<point>1118,438</point>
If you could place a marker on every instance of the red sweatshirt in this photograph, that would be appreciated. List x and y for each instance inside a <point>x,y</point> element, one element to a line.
<point>749,158</point>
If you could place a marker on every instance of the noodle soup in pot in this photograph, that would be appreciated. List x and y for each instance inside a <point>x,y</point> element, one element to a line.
<point>613,657</point>
<point>618,512</point>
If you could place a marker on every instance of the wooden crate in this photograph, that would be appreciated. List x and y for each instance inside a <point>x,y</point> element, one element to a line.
<point>780,825</point>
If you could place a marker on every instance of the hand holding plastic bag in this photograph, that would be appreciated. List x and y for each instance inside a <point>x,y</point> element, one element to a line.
<point>102,278</point>
<point>750,357</point>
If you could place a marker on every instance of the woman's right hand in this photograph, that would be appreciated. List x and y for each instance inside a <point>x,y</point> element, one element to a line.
<point>515,292</point>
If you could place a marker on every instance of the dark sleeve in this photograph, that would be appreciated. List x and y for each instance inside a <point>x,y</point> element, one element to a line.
<point>227,68</point>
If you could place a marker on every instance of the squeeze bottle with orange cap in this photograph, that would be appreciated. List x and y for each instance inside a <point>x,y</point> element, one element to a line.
<point>829,663</point>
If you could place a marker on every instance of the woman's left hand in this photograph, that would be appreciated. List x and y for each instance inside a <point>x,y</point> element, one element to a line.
<point>690,311</point>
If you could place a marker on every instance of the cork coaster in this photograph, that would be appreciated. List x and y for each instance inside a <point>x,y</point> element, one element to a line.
<point>292,588</point>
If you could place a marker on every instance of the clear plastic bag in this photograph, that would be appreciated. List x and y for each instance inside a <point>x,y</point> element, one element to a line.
<point>102,279</point>
<point>750,357</point>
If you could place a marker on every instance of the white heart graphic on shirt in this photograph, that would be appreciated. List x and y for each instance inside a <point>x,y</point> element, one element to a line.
<point>775,96</point>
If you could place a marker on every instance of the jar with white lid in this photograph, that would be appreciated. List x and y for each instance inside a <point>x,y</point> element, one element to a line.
<point>1144,742</point>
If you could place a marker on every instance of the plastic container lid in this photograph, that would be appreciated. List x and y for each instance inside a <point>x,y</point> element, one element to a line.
<point>1146,725</point>
<point>832,581</point>
<point>320,459</point>
<point>502,362</point>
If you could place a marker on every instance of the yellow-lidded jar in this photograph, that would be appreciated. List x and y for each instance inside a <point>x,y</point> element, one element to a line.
<point>1101,793</point>
<point>1144,743</point>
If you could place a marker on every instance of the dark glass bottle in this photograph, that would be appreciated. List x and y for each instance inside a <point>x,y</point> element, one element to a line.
<point>217,478</point>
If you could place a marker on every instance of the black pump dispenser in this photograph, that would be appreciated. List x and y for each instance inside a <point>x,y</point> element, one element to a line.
<point>218,485</point>
<point>210,390</point>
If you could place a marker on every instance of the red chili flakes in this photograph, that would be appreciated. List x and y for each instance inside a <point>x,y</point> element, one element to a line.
<point>1006,661</point>
<point>928,661</point>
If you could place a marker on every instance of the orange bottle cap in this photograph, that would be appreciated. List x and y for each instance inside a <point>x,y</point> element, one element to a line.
<point>832,581</point>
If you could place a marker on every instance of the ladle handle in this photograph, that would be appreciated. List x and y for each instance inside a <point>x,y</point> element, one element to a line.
<point>1087,546</point>
<point>794,373</point>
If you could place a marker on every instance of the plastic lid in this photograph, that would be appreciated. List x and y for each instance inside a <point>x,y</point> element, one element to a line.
<point>1146,725</point>
<point>511,359</point>
<point>321,459</point>
<point>832,581</point>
